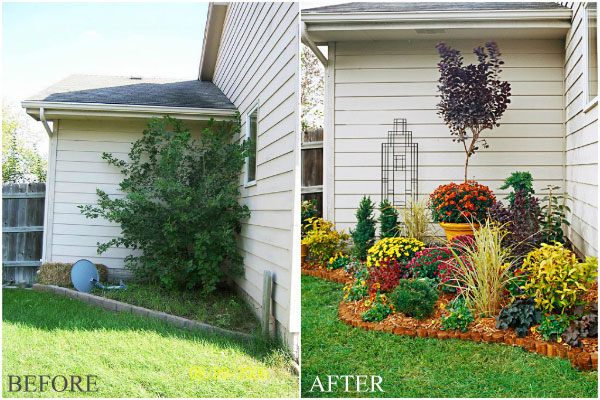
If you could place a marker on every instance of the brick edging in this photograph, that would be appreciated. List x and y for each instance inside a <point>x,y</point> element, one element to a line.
<point>578,358</point>
<point>119,306</point>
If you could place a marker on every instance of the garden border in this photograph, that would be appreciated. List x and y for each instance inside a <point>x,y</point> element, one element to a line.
<point>117,306</point>
<point>325,274</point>
<point>578,358</point>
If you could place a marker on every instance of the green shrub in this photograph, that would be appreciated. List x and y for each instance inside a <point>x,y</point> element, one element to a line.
<point>415,298</point>
<point>59,274</point>
<point>181,207</point>
<point>388,220</point>
<point>520,315</point>
<point>460,316</point>
<point>364,235</point>
<point>518,181</point>
<point>556,279</point>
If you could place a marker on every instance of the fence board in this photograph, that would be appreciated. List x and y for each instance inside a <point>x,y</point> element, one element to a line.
<point>22,230</point>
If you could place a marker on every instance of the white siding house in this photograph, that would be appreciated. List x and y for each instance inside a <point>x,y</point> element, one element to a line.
<point>382,64</point>
<point>255,62</point>
<point>249,64</point>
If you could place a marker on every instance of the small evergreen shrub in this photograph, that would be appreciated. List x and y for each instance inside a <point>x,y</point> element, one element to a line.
<point>415,298</point>
<point>364,235</point>
<point>518,181</point>
<point>520,315</point>
<point>388,220</point>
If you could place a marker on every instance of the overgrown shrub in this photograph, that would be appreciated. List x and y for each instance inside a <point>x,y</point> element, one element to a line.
<point>461,203</point>
<point>181,206</point>
<point>387,275</point>
<point>323,240</point>
<point>59,274</point>
<point>425,263</point>
<point>521,222</point>
<point>520,315</point>
<point>557,280</point>
<point>459,316</point>
<point>388,220</point>
<point>399,249</point>
<point>415,298</point>
<point>364,234</point>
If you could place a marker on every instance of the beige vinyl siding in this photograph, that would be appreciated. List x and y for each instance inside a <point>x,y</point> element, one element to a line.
<point>79,170</point>
<point>258,64</point>
<point>581,143</point>
<point>378,81</point>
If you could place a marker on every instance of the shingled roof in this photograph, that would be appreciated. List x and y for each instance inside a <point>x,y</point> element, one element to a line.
<point>365,7</point>
<point>135,92</point>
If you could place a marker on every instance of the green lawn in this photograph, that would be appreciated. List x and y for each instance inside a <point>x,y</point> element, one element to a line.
<point>416,367</point>
<point>223,308</point>
<point>132,356</point>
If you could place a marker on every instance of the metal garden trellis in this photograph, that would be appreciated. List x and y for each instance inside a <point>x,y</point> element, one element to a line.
<point>399,166</point>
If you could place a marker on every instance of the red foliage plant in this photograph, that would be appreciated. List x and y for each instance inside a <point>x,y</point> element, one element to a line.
<point>448,270</point>
<point>387,275</point>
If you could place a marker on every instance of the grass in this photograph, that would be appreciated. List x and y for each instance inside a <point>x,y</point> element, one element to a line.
<point>423,367</point>
<point>223,308</point>
<point>132,356</point>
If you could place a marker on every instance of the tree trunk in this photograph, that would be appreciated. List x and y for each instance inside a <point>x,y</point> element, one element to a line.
<point>466,166</point>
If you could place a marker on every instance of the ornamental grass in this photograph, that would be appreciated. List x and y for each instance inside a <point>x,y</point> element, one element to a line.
<point>484,269</point>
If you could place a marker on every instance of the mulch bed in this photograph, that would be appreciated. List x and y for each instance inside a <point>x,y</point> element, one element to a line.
<point>317,269</point>
<point>481,330</point>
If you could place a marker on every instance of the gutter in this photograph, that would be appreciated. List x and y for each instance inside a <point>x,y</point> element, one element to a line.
<point>308,42</point>
<point>438,16</point>
<point>45,123</point>
<point>41,110</point>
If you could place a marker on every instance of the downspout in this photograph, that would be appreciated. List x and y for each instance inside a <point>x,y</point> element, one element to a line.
<point>308,41</point>
<point>43,119</point>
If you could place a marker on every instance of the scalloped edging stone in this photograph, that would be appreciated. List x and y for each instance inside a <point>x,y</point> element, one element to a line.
<point>118,306</point>
<point>578,358</point>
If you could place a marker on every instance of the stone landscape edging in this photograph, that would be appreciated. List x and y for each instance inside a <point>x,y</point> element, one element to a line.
<point>578,358</point>
<point>119,306</point>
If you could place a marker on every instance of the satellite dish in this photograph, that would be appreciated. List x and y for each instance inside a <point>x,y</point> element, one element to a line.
<point>83,275</point>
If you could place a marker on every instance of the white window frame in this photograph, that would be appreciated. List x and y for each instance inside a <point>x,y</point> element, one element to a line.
<point>589,104</point>
<point>248,183</point>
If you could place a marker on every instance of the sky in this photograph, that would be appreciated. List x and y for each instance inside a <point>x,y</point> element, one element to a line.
<point>43,43</point>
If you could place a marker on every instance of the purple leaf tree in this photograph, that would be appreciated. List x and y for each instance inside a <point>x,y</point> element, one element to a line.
<point>473,97</point>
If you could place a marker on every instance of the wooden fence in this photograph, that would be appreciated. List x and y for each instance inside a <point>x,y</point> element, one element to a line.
<point>312,167</point>
<point>22,230</point>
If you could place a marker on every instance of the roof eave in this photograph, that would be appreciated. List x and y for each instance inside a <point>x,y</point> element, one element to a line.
<point>212,40</point>
<point>58,110</point>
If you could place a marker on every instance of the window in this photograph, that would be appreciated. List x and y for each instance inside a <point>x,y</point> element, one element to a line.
<point>251,135</point>
<point>591,54</point>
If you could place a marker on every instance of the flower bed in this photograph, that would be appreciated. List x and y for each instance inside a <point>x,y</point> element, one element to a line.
<point>481,330</point>
<point>317,269</point>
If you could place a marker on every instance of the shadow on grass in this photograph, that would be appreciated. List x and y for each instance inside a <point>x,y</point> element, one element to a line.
<point>48,311</point>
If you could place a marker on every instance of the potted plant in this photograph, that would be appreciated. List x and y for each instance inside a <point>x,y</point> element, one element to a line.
<point>472,99</point>
<point>459,207</point>
<point>309,210</point>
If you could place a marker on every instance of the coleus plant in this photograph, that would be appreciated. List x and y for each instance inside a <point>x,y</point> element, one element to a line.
<point>473,98</point>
